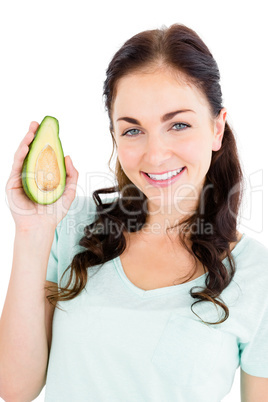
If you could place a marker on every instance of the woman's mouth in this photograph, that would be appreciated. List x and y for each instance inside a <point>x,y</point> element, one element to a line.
<point>165,179</point>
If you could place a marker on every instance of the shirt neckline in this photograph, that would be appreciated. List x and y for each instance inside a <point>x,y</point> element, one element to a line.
<point>182,287</point>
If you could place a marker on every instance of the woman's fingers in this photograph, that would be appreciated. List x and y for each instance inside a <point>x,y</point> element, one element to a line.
<point>20,155</point>
<point>33,126</point>
<point>24,145</point>
<point>21,152</point>
<point>28,137</point>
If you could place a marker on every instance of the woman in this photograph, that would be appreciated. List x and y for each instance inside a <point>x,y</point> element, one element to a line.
<point>126,326</point>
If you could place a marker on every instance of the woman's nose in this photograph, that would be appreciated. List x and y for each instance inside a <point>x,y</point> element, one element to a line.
<point>157,150</point>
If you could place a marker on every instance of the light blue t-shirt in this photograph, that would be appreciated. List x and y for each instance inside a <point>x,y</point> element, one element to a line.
<point>118,343</point>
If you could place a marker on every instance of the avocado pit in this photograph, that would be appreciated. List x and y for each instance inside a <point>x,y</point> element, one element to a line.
<point>47,172</point>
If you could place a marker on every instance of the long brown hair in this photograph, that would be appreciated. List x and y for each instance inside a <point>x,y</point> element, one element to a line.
<point>181,49</point>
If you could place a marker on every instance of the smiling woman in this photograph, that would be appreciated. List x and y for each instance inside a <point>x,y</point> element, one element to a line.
<point>130,332</point>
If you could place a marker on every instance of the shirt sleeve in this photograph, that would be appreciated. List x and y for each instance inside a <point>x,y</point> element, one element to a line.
<point>254,354</point>
<point>52,267</point>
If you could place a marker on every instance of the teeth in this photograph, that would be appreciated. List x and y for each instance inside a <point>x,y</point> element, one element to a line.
<point>164,176</point>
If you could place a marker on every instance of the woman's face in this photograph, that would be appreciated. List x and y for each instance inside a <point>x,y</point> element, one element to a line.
<point>152,138</point>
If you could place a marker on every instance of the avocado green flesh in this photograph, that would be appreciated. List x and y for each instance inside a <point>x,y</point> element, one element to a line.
<point>43,170</point>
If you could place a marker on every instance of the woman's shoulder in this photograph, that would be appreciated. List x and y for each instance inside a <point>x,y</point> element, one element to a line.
<point>251,257</point>
<point>253,247</point>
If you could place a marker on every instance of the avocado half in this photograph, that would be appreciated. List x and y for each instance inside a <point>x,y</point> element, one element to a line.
<point>43,171</point>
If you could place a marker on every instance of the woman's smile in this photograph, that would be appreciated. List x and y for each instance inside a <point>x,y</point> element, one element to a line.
<point>163,180</point>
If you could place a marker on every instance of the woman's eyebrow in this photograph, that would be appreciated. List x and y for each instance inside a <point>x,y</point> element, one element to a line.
<point>164,118</point>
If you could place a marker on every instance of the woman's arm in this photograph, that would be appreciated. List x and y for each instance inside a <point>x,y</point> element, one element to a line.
<point>23,332</point>
<point>253,389</point>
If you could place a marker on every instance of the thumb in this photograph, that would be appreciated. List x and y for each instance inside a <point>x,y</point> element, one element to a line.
<point>69,162</point>
<point>70,169</point>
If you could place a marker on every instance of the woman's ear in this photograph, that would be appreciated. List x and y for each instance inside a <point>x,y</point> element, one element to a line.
<point>219,127</point>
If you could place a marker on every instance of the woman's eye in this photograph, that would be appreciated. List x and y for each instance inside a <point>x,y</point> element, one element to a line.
<point>129,131</point>
<point>181,124</point>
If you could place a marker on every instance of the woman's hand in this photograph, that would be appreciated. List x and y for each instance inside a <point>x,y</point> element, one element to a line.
<point>26,213</point>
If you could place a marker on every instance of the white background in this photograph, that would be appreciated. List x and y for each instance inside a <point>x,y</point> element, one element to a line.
<point>54,55</point>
